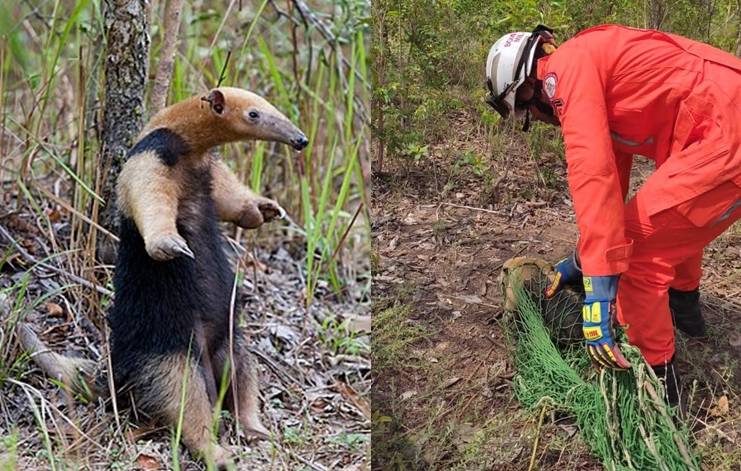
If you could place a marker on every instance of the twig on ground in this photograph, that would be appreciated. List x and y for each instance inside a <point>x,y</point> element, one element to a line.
<point>32,260</point>
<point>310,464</point>
<point>69,208</point>
<point>537,438</point>
<point>276,369</point>
<point>463,206</point>
<point>26,388</point>
<point>471,301</point>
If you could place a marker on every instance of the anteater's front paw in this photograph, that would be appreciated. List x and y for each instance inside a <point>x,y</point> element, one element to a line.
<point>270,209</point>
<point>259,210</point>
<point>167,246</point>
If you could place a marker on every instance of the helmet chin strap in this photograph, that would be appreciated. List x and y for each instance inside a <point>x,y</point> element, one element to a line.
<point>535,101</point>
<point>548,44</point>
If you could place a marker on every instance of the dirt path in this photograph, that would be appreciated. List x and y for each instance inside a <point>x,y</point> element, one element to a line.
<point>442,389</point>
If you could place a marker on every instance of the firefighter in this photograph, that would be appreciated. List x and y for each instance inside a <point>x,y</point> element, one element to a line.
<point>617,91</point>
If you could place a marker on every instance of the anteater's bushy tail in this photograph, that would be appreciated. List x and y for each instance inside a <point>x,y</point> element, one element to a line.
<point>78,375</point>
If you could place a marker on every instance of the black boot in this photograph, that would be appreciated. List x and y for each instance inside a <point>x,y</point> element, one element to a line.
<point>669,376</point>
<point>685,308</point>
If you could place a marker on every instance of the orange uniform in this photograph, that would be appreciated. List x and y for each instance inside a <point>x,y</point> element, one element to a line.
<point>621,91</point>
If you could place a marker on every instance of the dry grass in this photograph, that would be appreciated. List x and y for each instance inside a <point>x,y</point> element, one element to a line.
<point>305,283</point>
<point>442,230</point>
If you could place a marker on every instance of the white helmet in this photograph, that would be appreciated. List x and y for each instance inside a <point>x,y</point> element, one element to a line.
<point>510,62</point>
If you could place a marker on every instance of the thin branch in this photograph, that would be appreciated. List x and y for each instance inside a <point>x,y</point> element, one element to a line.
<point>170,31</point>
<point>310,19</point>
<point>344,234</point>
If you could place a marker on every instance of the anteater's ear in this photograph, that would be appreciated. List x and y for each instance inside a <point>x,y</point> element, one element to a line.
<point>216,101</point>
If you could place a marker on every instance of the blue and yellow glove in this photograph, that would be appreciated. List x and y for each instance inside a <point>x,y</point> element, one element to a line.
<point>568,272</point>
<point>598,312</point>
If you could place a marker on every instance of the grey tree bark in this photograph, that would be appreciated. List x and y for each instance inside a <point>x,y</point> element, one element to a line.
<point>127,58</point>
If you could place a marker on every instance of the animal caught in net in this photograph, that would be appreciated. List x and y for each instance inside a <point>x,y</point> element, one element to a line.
<point>561,314</point>
<point>621,415</point>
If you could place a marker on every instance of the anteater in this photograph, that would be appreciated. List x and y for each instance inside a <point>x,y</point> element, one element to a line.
<point>173,283</point>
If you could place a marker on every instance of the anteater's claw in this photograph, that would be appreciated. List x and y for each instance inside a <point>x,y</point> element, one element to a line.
<point>255,430</point>
<point>270,210</point>
<point>185,250</point>
<point>167,247</point>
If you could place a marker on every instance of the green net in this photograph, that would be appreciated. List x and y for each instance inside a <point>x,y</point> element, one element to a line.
<point>622,416</point>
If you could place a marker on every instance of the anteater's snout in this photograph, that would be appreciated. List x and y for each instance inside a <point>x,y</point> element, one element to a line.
<point>299,142</point>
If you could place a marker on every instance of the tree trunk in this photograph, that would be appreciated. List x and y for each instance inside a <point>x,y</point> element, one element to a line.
<point>127,57</point>
<point>657,13</point>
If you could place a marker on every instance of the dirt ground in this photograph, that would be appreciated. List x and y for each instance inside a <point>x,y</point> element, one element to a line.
<point>442,376</point>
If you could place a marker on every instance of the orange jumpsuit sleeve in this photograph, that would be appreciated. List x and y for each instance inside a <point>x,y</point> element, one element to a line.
<point>595,181</point>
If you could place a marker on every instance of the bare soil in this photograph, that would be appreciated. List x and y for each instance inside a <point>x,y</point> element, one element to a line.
<point>441,231</point>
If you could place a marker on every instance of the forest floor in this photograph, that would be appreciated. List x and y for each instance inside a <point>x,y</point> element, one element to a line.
<point>314,368</point>
<point>442,366</point>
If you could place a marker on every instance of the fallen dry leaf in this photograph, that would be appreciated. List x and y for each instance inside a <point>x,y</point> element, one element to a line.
<point>140,432</point>
<point>54,310</point>
<point>144,461</point>
<point>451,382</point>
<point>319,405</point>
<point>469,298</point>
<point>351,395</point>
<point>721,408</point>
<point>408,395</point>
<point>54,215</point>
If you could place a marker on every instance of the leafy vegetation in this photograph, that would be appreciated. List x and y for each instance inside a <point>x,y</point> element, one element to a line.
<point>461,191</point>
<point>308,58</point>
<point>393,334</point>
<point>429,55</point>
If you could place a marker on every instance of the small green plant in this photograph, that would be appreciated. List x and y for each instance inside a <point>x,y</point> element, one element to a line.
<point>339,338</point>
<point>415,152</point>
<point>393,336</point>
<point>8,456</point>
<point>353,441</point>
<point>295,436</point>
<point>474,161</point>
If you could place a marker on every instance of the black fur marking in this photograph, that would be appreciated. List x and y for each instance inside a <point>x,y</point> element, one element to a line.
<point>167,144</point>
<point>159,304</point>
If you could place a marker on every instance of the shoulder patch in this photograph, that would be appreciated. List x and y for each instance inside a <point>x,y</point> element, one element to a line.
<point>549,85</point>
<point>167,144</point>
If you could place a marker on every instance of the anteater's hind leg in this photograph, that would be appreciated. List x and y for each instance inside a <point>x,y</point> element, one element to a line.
<point>159,392</point>
<point>242,398</point>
